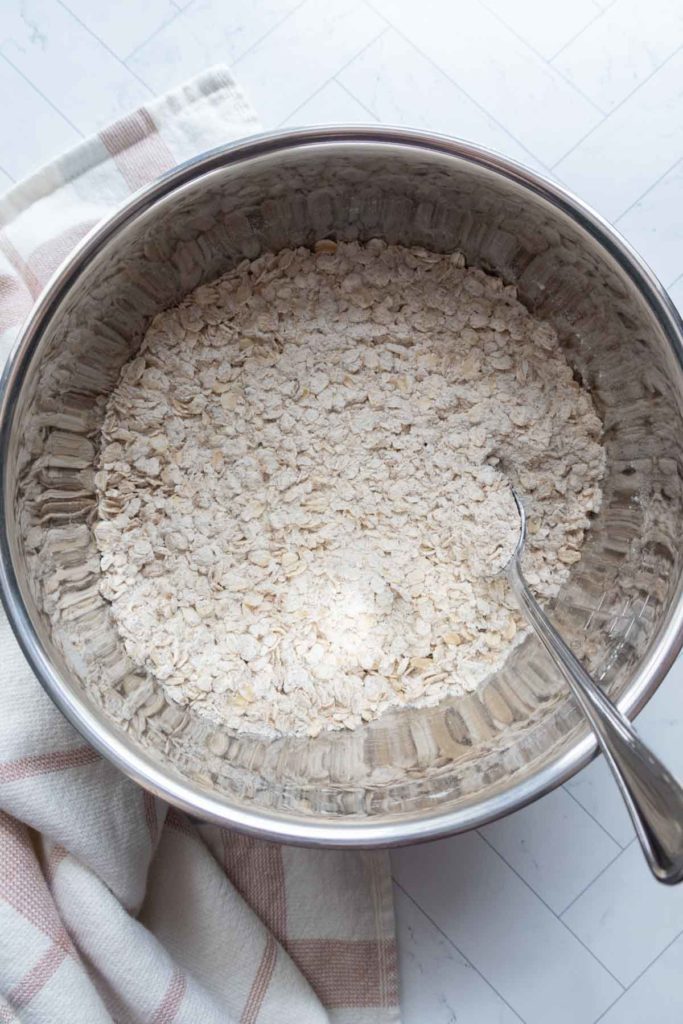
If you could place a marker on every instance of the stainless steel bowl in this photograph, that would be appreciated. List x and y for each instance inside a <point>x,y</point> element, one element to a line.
<point>414,774</point>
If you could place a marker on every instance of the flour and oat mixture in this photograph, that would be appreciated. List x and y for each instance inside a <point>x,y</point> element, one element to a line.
<point>303,489</point>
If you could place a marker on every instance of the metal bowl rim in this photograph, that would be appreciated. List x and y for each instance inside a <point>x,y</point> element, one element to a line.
<point>92,723</point>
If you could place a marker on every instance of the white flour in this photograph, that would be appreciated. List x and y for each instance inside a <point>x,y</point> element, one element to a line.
<point>300,486</point>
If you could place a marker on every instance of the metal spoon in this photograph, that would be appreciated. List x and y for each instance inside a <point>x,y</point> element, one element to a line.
<point>652,795</point>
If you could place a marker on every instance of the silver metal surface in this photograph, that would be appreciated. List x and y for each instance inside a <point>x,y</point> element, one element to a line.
<point>653,797</point>
<point>413,775</point>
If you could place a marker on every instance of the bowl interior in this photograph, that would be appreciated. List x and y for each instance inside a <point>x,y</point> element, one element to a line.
<point>474,755</point>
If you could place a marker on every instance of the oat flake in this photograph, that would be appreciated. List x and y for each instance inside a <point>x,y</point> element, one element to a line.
<point>304,485</point>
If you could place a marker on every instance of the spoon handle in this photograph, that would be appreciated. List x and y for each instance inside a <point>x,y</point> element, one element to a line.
<point>652,795</point>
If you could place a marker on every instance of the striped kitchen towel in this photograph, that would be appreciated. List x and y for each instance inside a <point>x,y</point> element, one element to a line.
<point>113,906</point>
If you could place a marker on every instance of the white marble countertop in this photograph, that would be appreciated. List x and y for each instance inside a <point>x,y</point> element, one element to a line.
<point>547,917</point>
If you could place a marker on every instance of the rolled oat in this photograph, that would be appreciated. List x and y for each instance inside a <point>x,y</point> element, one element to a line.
<point>303,485</point>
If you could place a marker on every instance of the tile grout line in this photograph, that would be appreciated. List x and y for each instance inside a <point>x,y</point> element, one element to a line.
<point>593,880</point>
<point>608,1008</point>
<point>676,280</point>
<point>655,958</point>
<point>679,160</point>
<point>449,940</point>
<point>8,175</point>
<point>545,60</point>
<point>164,24</point>
<point>184,10</point>
<point>607,832</point>
<point>333,78</point>
<point>178,12</point>
<point>619,105</point>
<point>257,42</point>
<point>106,47</point>
<point>601,14</point>
<point>169,21</point>
<point>464,92</point>
<point>35,88</point>
<point>639,976</point>
<point>550,909</point>
<point>353,96</point>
